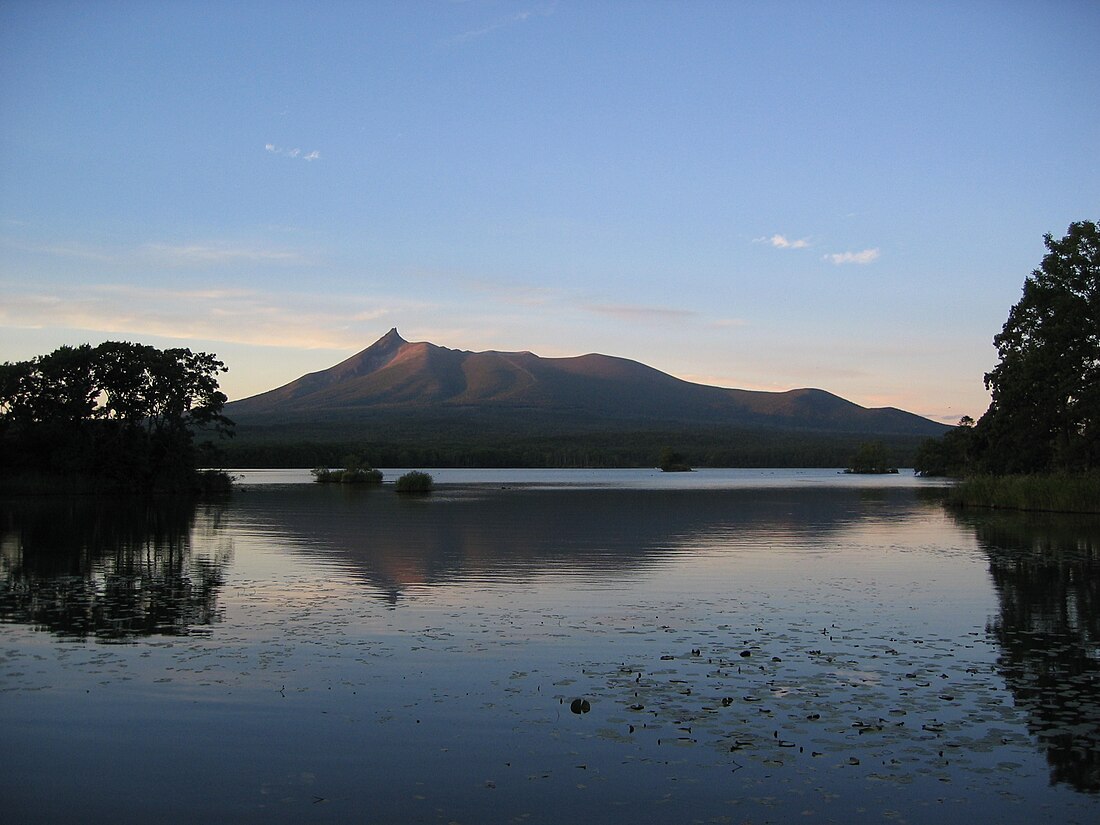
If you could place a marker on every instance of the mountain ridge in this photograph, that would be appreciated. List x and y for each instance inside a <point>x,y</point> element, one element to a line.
<point>421,380</point>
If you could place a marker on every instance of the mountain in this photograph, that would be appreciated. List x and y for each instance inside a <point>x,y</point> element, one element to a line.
<point>397,384</point>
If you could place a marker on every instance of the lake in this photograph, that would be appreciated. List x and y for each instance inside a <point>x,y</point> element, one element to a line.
<point>742,646</point>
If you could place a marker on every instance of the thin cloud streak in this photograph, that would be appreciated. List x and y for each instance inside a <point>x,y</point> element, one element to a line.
<point>65,250</point>
<point>130,292</point>
<point>640,313</point>
<point>783,242</point>
<point>511,20</point>
<point>229,315</point>
<point>165,254</point>
<point>514,294</point>
<point>292,153</point>
<point>184,255</point>
<point>865,257</point>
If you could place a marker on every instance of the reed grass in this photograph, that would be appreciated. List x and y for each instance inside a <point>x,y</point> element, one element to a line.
<point>1048,493</point>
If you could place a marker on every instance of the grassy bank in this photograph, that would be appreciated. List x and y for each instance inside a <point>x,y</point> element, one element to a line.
<point>1049,493</point>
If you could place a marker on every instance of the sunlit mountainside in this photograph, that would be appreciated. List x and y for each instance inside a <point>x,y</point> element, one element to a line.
<point>421,393</point>
<point>395,375</point>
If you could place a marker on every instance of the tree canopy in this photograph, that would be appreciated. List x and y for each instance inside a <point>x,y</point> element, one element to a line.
<point>951,455</point>
<point>121,412</point>
<point>1045,410</point>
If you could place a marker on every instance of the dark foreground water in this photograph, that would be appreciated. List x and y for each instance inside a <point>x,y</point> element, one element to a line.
<point>544,648</point>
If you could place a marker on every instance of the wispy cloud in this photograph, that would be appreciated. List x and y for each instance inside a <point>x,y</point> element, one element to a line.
<point>65,250</point>
<point>783,242</point>
<point>524,295</point>
<point>569,302</point>
<point>865,257</point>
<point>728,323</point>
<point>504,22</point>
<point>292,153</point>
<point>634,312</point>
<point>166,254</point>
<point>500,290</point>
<point>239,316</point>
<point>188,254</point>
<point>130,292</point>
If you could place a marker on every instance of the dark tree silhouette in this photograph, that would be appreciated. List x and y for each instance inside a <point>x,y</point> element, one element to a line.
<point>122,413</point>
<point>1045,410</point>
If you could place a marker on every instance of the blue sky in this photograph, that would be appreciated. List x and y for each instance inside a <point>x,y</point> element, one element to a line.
<point>762,195</point>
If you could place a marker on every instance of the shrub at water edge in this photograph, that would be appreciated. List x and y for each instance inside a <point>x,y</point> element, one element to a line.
<point>415,482</point>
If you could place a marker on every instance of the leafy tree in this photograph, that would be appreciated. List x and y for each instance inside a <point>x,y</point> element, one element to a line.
<point>55,388</point>
<point>1045,410</point>
<point>160,390</point>
<point>951,455</point>
<point>121,412</point>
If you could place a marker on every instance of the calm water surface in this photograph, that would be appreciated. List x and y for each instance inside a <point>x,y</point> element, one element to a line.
<point>627,646</point>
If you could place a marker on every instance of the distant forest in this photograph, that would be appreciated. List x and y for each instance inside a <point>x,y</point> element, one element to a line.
<point>444,446</point>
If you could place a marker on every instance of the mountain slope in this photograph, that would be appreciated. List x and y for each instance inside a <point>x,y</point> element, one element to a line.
<point>425,382</point>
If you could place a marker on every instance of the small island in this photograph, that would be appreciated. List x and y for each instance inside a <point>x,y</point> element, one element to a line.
<point>870,459</point>
<point>415,481</point>
<point>671,461</point>
<point>356,470</point>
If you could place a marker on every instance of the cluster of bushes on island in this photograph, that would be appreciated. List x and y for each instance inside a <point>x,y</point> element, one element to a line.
<point>115,416</point>
<point>1038,444</point>
<point>871,459</point>
<point>356,469</point>
<point>351,475</point>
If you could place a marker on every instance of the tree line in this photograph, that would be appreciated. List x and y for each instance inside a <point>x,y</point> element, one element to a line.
<point>119,415</point>
<point>1044,416</point>
<point>461,447</point>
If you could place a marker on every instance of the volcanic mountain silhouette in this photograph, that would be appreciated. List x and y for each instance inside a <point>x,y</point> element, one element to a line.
<point>426,381</point>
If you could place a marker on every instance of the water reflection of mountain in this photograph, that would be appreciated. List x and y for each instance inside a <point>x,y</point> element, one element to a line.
<point>1046,569</point>
<point>109,568</point>
<point>469,534</point>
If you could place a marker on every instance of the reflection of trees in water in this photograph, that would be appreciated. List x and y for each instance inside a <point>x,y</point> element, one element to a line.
<point>1046,570</point>
<point>109,568</point>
